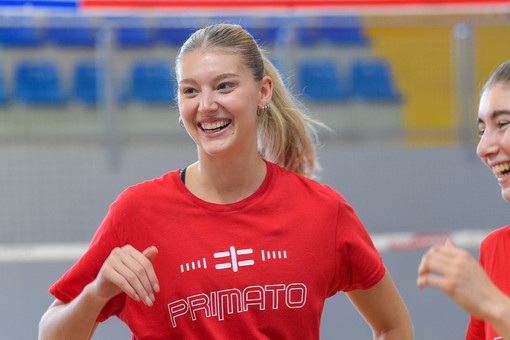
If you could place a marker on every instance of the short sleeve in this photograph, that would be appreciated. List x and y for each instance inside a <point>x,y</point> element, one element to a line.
<point>85,270</point>
<point>476,329</point>
<point>359,265</point>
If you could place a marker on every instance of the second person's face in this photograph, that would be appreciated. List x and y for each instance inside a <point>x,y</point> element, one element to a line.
<point>494,127</point>
<point>218,99</point>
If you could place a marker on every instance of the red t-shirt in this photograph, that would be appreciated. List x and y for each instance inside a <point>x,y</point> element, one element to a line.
<point>494,259</point>
<point>259,268</point>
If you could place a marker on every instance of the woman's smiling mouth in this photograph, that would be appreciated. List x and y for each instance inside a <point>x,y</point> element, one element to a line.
<point>501,170</point>
<point>214,126</point>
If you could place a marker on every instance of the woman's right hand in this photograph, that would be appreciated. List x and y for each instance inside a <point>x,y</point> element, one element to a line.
<point>460,276</point>
<point>130,271</point>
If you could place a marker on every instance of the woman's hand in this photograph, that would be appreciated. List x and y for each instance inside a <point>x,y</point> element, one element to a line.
<point>130,271</point>
<point>125,270</point>
<point>460,276</point>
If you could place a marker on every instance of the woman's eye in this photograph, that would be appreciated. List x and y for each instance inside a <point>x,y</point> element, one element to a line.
<point>188,90</point>
<point>503,123</point>
<point>226,86</point>
<point>480,129</point>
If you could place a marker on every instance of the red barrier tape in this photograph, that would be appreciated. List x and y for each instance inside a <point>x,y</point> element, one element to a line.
<point>276,3</point>
<point>469,239</point>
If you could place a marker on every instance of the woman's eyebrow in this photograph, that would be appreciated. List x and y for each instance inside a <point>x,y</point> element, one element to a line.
<point>186,81</point>
<point>225,75</point>
<point>216,79</point>
<point>495,114</point>
<point>498,113</point>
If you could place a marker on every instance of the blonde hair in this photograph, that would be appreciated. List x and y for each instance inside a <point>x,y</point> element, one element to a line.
<point>286,135</point>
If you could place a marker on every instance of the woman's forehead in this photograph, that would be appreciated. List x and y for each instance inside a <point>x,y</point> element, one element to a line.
<point>217,59</point>
<point>494,99</point>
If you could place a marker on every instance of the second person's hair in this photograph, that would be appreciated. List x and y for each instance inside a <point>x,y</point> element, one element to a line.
<point>501,75</point>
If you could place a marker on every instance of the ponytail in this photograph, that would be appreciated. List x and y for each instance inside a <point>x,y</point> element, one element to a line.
<point>286,135</point>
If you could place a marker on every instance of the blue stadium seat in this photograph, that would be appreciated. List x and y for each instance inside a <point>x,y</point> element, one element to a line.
<point>3,95</point>
<point>38,82</point>
<point>265,36</point>
<point>344,36</point>
<point>134,33</point>
<point>71,32</point>
<point>85,77</point>
<point>152,82</point>
<point>372,80</point>
<point>345,31</point>
<point>20,32</point>
<point>265,30</point>
<point>320,81</point>
<point>174,36</point>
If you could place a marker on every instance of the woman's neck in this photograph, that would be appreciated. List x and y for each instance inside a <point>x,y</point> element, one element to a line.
<point>225,181</point>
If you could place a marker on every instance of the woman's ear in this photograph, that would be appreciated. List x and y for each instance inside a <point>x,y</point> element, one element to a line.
<point>266,90</point>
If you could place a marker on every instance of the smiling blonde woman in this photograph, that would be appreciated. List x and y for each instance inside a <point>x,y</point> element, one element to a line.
<point>241,244</point>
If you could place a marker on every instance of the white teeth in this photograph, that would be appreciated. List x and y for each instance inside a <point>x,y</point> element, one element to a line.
<point>212,126</point>
<point>500,169</point>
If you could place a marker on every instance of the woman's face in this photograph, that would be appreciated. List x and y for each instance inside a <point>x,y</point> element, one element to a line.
<point>218,100</point>
<point>494,127</point>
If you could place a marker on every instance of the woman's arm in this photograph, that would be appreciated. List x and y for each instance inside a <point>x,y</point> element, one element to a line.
<point>126,270</point>
<point>455,272</point>
<point>384,310</point>
<point>79,316</point>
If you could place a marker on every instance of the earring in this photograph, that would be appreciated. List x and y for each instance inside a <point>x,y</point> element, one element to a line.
<point>261,111</point>
<point>181,123</point>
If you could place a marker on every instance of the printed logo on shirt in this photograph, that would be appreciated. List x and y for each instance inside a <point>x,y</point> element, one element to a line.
<point>234,263</point>
<point>233,259</point>
<point>225,302</point>
<point>219,304</point>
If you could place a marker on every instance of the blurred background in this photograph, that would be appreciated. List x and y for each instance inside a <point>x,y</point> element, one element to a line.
<point>87,108</point>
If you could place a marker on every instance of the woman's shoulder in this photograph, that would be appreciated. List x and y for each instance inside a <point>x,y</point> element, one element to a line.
<point>497,236</point>
<point>297,182</point>
<point>150,188</point>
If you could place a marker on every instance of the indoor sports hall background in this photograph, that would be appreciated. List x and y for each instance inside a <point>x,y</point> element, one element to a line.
<point>87,108</point>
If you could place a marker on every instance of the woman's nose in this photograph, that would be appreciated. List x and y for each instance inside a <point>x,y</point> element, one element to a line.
<point>208,102</point>
<point>488,144</point>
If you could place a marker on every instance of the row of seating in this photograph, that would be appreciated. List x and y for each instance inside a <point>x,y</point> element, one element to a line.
<point>367,79</point>
<point>136,32</point>
<point>39,82</point>
<point>151,82</point>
